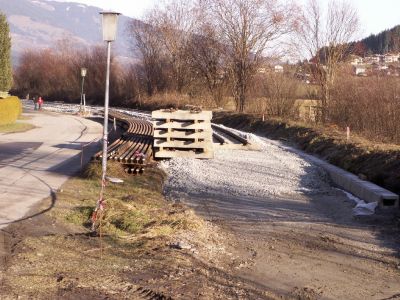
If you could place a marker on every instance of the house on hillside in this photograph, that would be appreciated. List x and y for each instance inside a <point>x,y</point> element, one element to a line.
<point>278,69</point>
<point>393,70</point>
<point>303,77</point>
<point>308,110</point>
<point>376,58</point>
<point>356,60</point>
<point>359,71</point>
<point>261,70</point>
<point>382,67</point>
<point>391,58</point>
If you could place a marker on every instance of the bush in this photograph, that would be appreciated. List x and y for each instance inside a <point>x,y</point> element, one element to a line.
<point>10,110</point>
<point>369,106</point>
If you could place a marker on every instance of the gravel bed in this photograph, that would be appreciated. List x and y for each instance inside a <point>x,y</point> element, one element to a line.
<point>273,171</point>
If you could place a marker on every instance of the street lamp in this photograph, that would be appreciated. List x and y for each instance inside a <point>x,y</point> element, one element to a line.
<point>83,98</point>
<point>109,21</point>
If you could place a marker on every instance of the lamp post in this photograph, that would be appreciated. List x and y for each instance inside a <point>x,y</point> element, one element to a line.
<point>83,98</point>
<point>109,22</point>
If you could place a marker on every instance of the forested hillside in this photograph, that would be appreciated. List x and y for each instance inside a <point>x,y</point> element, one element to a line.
<point>384,42</point>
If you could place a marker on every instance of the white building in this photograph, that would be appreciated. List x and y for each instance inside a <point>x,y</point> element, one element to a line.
<point>372,59</point>
<point>261,70</point>
<point>357,60</point>
<point>391,58</point>
<point>278,69</point>
<point>360,71</point>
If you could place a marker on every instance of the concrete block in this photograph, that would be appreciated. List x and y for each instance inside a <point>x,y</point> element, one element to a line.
<point>185,154</point>
<point>365,190</point>
<point>181,115</point>
<point>182,134</point>
<point>182,125</point>
<point>187,134</point>
<point>206,145</point>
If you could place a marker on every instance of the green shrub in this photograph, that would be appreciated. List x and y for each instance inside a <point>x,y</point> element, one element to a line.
<point>10,110</point>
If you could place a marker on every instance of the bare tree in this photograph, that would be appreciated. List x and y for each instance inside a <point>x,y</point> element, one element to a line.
<point>55,75</point>
<point>247,28</point>
<point>175,22</point>
<point>325,38</point>
<point>147,40</point>
<point>207,61</point>
<point>280,92</point>
<point>163,40</point>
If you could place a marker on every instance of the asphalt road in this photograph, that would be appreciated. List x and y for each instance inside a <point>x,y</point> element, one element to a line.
<point>34,164</point>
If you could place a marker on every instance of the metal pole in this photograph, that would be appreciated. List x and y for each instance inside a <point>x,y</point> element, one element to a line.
<point>82,95</point>
<point>105,127</point>
<point>80,108</point>
<point>84,102</point>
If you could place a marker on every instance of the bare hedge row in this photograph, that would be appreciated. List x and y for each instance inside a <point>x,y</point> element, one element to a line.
<point>55,75</point>
<point>369,106</point>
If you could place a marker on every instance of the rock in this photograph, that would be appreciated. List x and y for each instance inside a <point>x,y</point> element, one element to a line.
<point>181,245</point>
<point>114,179</point>
<point>362,176</point>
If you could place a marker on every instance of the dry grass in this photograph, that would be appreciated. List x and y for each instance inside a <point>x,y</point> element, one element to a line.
<point>59,256</point>
<point>16,127</point>
<point>133,208</point>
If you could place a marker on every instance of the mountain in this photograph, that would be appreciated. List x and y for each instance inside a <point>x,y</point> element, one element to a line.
<point>384,42</point>
<point>37,24</point>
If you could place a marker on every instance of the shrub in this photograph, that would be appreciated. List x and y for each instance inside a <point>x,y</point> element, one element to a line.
<point>10,110</point>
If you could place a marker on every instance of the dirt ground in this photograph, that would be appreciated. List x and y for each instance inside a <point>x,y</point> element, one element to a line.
<point>294,233</point>
<point>314,251</point>
<point>45,260</point>
<point>311,253</point>
<point>164,252</point>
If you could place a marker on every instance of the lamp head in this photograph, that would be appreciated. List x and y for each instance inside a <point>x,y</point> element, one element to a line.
<point>83,72</point>
<point>109,23</point>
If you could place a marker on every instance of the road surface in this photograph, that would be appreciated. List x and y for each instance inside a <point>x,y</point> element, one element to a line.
<point>34,164</point>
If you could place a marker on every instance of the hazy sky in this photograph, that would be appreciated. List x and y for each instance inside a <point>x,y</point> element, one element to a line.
<point>375,15</point>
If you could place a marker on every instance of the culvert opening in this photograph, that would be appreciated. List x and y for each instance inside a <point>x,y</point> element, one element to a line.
<point>389,202</point>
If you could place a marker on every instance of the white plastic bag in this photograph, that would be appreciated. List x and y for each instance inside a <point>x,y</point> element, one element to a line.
<point>365,209</point>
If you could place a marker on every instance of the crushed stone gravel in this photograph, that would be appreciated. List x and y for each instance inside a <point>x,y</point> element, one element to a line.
<point>273,171</point>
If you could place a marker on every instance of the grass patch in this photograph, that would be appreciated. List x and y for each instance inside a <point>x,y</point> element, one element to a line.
<point>16,127</point>
<point>134,207</point>
<point>24,117</point>
<point>58,255</point>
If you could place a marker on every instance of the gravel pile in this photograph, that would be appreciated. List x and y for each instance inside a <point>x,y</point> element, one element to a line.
<point>273,171</point>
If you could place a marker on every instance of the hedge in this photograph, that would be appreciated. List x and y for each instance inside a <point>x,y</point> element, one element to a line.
<point>10,110</point>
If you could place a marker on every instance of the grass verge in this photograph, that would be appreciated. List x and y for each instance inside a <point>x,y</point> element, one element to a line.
<point>16,127</point>
<point>55,256</point>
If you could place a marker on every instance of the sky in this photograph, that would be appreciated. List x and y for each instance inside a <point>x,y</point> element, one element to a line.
<point>375,16</point>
